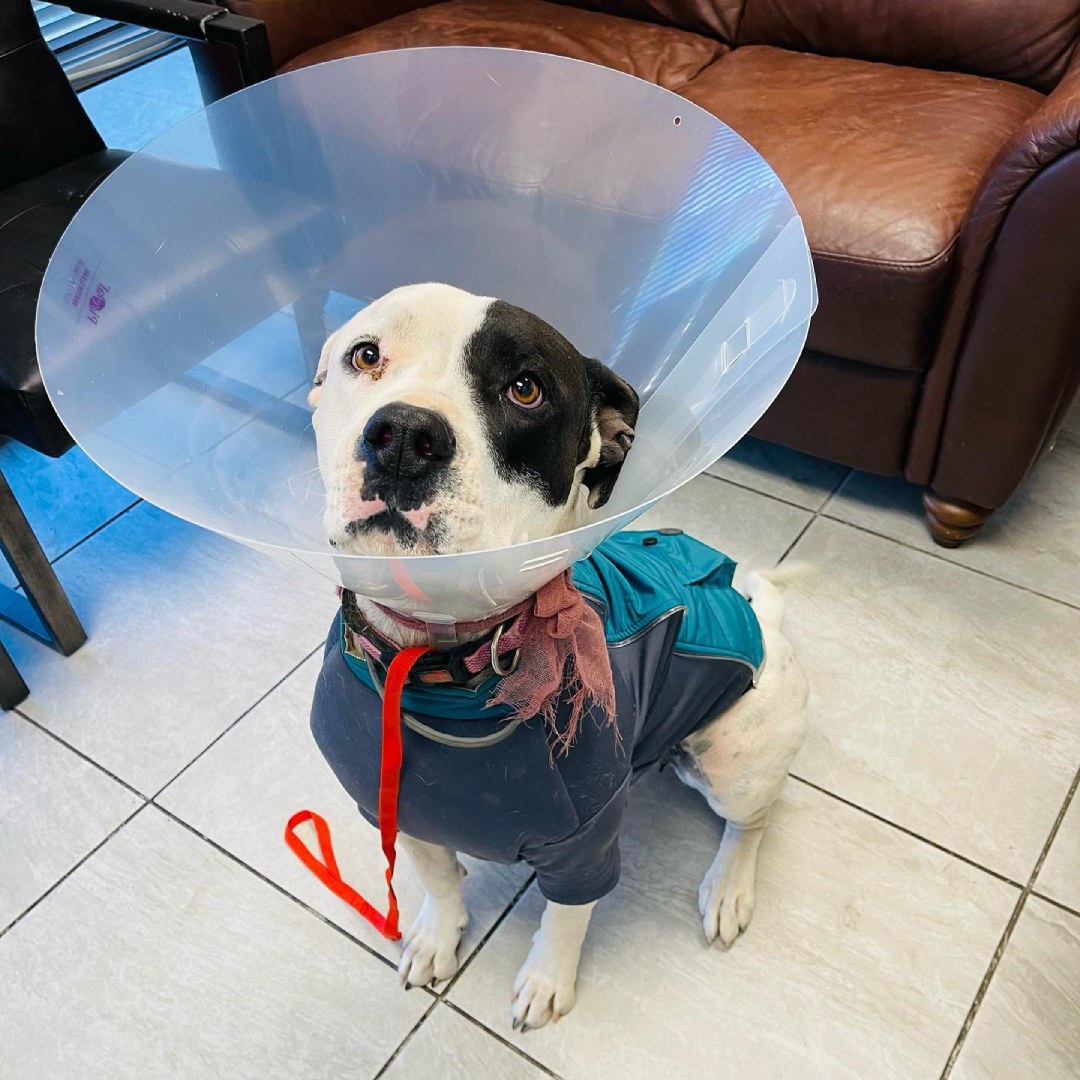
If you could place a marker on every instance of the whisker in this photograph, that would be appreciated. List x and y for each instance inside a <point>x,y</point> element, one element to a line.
<point>311,475</point>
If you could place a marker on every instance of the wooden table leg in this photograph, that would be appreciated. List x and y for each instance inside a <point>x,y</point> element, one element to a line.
<point>22,550</point>
<point>12,687</point>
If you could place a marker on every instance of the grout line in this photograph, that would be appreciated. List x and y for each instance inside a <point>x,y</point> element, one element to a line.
<point>341,930</point>
<point>980,994</point>
<point>908,832</point>
<point>999,952</point>
<point>487,937</point>
<point>764,494</point>
<point>1055,903</point>
<point>500,1039</point>
<point>1055,829</point>
<point>281,889</point>
<point>225,731</point>
<point>93,532</point>
<point>79,753</point>
<point>822,511</point>
<point>405,1042</point>
<point>43,636</point>
<point>802,532</point>
<point>130,787</point>
<point>840,484</point>
<point>952,562</point>
<point>59,881</point>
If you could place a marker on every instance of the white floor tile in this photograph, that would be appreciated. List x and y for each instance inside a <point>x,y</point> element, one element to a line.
<point>1029,1022</point>
<point>940,699</point>
<point>54,809</point>
<point>160,957</point>
<point>448,1045</point>
<point>865,951</point>
<point>243,790</point>
<point>1060,875</point>
<point>785,474</point>
<point>128,120</point>
<point>171,77</point>
<point>134,107</point>
<point>751,528</point>
<point>64,499</point>
<point>1032,541</point>
<point>186,631</point>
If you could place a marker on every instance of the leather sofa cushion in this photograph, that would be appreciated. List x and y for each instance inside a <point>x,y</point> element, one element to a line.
<point>659,54</point>
<point>716,18</point>
<point>33,215</point>
<point>882,163</point>
<point>1024,41</point>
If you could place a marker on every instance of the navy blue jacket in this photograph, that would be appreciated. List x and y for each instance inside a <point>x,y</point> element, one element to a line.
<point>684,645</point>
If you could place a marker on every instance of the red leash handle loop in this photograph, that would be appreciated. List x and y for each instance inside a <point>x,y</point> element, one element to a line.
<point>326,869</point>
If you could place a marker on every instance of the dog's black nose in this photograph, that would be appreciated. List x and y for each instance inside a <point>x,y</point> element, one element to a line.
<point>405,441</point>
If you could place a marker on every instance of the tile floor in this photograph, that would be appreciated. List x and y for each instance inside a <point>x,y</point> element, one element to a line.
<point>918,911</point>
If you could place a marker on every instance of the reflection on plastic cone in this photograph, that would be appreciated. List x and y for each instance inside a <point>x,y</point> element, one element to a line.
<point>181,317</point>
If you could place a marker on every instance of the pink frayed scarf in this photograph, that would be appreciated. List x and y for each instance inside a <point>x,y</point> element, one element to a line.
<point>563,652</point>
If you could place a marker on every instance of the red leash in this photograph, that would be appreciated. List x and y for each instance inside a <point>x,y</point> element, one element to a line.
<point>326,870</point>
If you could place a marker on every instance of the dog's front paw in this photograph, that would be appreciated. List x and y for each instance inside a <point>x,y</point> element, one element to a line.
<point>726,895</point>
<point>542,992</point>
<point>429,947</point>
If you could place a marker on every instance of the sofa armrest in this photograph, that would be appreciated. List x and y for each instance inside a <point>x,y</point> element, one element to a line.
<point>1006,364</point>
<point>245,38</point>
<point>1049,133</point>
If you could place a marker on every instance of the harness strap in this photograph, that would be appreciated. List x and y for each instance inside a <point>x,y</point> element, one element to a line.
<point>326,869</point>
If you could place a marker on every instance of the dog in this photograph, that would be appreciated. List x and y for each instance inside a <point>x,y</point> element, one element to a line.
<point>447,422</point>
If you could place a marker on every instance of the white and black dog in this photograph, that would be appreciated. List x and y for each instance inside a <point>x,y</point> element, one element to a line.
<point>448,422</point>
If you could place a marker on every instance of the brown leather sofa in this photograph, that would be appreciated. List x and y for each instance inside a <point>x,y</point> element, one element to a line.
<point>932,150</point>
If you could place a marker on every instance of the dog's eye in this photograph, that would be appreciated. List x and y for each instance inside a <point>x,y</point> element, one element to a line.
<point>365,356</point>
<point>525,391</point>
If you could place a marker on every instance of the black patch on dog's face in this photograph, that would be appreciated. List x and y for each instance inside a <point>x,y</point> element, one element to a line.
<point>541,446</point>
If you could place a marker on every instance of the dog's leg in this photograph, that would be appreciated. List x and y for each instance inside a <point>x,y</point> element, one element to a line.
<point>545,986</point>
<point>429,946</point>
<point>739,763</point>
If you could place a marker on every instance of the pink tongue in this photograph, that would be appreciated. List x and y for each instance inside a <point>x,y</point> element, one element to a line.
<point>419,517</point>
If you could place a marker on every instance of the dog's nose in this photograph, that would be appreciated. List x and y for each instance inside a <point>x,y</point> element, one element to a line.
<point>405,441</point>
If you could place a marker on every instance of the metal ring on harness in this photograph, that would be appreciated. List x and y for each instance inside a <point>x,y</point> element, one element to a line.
<point>479,742</point>
<point>496,664</point>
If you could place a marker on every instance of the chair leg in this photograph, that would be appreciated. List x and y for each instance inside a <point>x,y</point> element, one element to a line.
<point>21,548</point>
<point>952,522</point>
<point>12,688</point>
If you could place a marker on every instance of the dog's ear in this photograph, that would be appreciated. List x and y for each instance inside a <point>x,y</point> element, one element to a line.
<point>615,408</point>
<point>320,372</point>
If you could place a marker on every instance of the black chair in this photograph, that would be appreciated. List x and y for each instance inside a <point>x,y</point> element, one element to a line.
<point>53,158</point>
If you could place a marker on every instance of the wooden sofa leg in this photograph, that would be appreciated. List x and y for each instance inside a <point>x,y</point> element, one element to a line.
<point>952,522</point>
<point>12,687</point>
<point>19,544</point>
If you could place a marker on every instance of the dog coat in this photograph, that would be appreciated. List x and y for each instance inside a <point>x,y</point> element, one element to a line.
<point>683,646</point>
